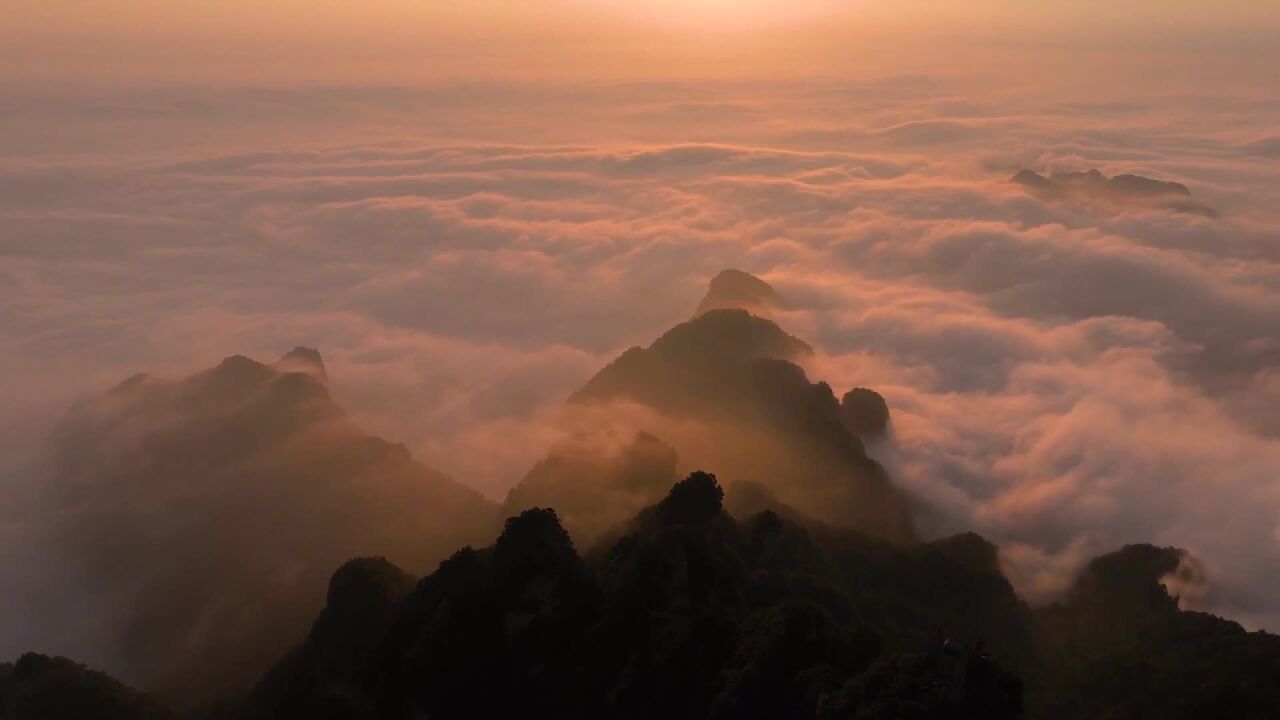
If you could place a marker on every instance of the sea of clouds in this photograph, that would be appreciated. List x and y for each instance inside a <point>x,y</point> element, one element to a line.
<point>1064,379</point>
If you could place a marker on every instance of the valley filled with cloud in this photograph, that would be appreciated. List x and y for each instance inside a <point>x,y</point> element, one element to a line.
<point>1066,373</point>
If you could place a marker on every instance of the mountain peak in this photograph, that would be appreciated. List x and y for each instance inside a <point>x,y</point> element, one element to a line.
<point>366,582</point>
<point>240,365</point>
<point>735,289</point>
<point>696,499</point>
<point>304,360</point>
<point>1121,190</point>
<point>692,363</point>
<point>865,412</point>
<point>1032,179</point>
<point>1130,578</point>
<point>733,374</point>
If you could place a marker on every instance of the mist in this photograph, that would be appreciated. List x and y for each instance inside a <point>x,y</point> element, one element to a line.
<point>471,238</point>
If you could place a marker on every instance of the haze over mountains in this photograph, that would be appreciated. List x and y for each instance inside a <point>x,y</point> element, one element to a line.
<point>201,518</point>
<point>204,518</point>
<point>688,612</point>
<point>736,402</point>
<point>1011,282</point>
<point>1066,378</point>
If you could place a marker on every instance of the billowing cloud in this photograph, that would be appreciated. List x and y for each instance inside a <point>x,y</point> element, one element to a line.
<point>1060,380</point>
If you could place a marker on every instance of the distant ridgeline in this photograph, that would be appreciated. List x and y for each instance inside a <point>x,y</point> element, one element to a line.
<point>1118,191</point>
<point>790,586</point>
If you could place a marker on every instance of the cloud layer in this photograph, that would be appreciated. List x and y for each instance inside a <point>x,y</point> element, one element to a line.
<point>1061,379</point>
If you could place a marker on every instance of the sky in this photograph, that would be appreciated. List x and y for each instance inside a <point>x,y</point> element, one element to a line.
<point>328,41</point>
<point>470,207</point>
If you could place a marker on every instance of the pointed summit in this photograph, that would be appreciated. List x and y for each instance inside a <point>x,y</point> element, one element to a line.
<point>735,289</point>
<point>698,498</point>
<point>734,399</point>
<point>304,360</point>
<point>1033,180</point>
<point>698,362</point>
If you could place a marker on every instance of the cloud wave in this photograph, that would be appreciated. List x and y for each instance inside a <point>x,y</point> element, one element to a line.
<point>1060,380</point>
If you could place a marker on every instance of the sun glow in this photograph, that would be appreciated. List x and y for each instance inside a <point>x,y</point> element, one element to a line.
<point>722,15</point>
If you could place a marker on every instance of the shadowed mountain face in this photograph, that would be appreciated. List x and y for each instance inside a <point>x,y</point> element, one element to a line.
<point>1121,190</point>
<point>206,514</point>
<point>729,396</point>
<point>1120,647</point>
<point>329,666</point>
<point>689,613</point>
<point>686,613</point>
<point>38,687</point>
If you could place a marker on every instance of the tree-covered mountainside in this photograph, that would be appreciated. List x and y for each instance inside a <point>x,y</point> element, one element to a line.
<point>55,688</point>
<point>687,612</point>
<point>1119,647</point>
<point>684,613</point>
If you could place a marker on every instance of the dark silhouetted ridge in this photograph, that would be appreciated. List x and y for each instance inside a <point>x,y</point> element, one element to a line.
<point>686,612</point>
<point>1146,187</point>
<point>39,687</point>
<point>1121,190</point>
<point>321,677</point>
<point>1119,646</point>
<point>697,498</point>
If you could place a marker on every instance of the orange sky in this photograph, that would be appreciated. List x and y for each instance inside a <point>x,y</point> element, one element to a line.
<point>394,41</point>
<point>469,207</point>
